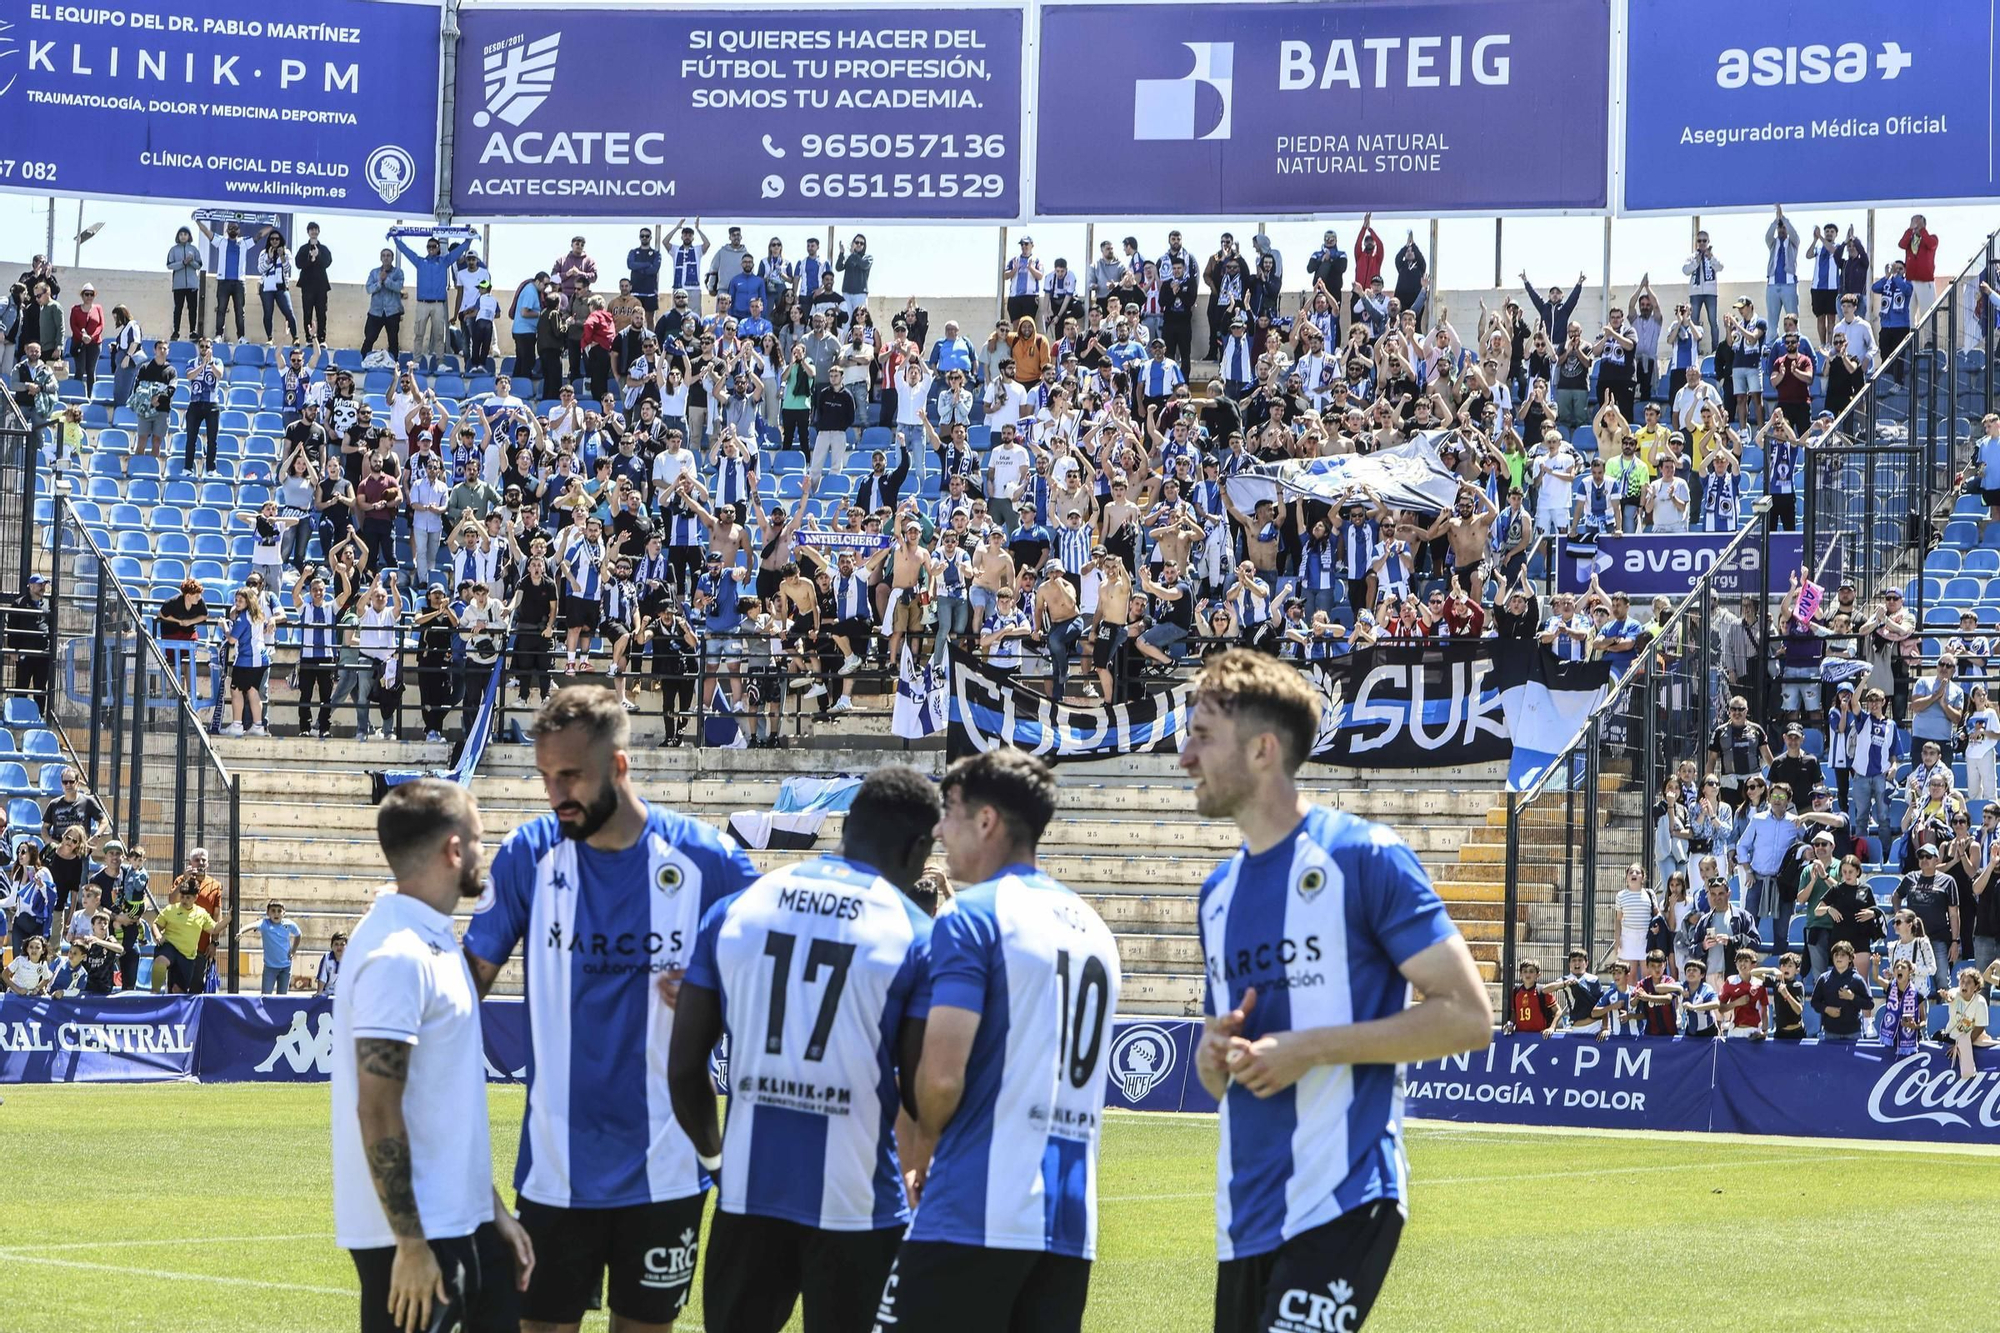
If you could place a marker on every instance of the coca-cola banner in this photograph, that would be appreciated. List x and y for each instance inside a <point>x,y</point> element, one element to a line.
<point>1855,1092</point>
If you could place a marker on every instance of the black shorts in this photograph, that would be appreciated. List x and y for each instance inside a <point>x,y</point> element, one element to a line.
<point>1825,301</point>
<point>968,1289</point>
<point>184,974</point>
<point>757,1268</point>
<point>478,1274</point>
<point>581,613</point>
<point>650,1249</point>
<point>248,678</point>
<point>614,630</point>
<point>1991,499</point>
<point>1326,1278</point>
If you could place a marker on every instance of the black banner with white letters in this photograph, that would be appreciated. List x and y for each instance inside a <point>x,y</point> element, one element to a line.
<point>1419,705</point>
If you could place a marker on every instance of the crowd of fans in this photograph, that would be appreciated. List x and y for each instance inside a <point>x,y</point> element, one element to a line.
<point>659,475</point>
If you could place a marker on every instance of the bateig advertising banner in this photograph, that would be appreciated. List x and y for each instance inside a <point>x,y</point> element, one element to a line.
<point>1225,110</point>
<point>1730,105</point>
<point>905,112</point>
<point>328,106</point>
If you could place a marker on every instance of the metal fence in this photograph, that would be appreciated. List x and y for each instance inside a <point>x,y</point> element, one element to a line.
<point>17,496</point>
<point>1882,492</point>
<point>126,702</point>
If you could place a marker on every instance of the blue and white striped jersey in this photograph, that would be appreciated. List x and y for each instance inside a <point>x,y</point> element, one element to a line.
<point>817,965</point>
<point>1320,925</point>
<point>583,569</point>
<point>596,930</point>
<point>1016,1169</point>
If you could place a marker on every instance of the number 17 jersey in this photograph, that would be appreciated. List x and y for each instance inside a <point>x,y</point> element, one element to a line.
<point>817,965</point>
<point>1016,1168</point>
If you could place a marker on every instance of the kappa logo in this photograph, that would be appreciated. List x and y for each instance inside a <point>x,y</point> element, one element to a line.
<point>519,77</point>
<point>389,171</point>
<point>1141,1058</point>
<point>671,1265</point>
<point>1309,1312</point>
<point>1311,884</point>
<point>305,1049</point>
<point>1177,108</point>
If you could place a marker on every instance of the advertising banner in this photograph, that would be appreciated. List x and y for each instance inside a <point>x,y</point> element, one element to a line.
<point>1648,563</point>
<point>136,1040</point>
<point>289,1039</point>
<point>228,102</point>
<point>1855,1092</point>
<point>909,113</point>
<point>1390,706</point>
<point>1806,101</point>
<point>1231,110</point>
<point>1523,1080</point>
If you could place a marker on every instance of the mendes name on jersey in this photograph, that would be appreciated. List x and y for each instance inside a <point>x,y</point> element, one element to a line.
<point>1016,1169</point>
<point>1320,924</point>
<point>817,965</point>
<point>596,929</point>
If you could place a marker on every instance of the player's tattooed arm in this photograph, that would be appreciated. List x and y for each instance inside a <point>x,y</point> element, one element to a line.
<point>384,1067</point>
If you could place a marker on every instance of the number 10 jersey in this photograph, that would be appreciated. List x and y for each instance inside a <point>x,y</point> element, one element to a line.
<point>1016,1168</point>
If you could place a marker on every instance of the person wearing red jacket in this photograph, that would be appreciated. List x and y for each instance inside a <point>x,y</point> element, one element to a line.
<point>1368,253</point>
<point>86,336</point>
<point>599,332</point>
<point>1919,246</point>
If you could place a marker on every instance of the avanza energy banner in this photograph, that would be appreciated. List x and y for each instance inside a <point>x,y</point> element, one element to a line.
<point>332,105</point>
<point>909,112</point>
<point>1730,105</point>
<point>1233,110</point>
<point>1393,706</point>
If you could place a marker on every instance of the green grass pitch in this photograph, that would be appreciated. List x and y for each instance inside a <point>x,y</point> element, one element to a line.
<point>207,1207</point>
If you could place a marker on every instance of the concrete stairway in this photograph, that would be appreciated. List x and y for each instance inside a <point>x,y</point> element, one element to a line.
<point>1126,838</point>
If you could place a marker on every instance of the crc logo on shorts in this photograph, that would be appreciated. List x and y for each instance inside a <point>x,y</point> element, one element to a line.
<point>1309,1312</point>
<point>390,171</point>
<point>1141,1058</point>
<point>519,75</point>
<point>1177,108</point>
<point>669,1266</point>
<point>668,879</point>
<point>1311,884</point>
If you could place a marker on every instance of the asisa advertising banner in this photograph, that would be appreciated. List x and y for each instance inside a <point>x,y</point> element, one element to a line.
<point>231,103</point>
<point>1729,105</point>
<point>896,111</point>
<point>1221,109</point>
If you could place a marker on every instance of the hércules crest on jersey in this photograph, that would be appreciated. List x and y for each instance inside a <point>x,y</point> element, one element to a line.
<point>668,879</point>
<point>1311,883</point>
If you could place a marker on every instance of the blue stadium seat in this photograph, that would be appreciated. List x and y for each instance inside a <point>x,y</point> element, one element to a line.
<point>346,358</point>
<point>178,493</point>
<point>1964,590</point>
<point>204,520</point>
<point>106,489</point>
<point>50,779</point>
<point>1935,617</point>
<point>210,546</point>
<point>142,491</point>
<point>126,516</point>
<point>229,445</point>
<point>268,423</point>
<point>219,494</point>
<point>147,465</point>
<point>242,546</point>
<point>261,446</point>
<point>233,422</point>
<point>126,568</point>
<point>1983,561</point>
<point>273,399</point>
<point>1960,534</point>
<point>114,441</point>
<point>107,465</point>
<point>172,543</point>
<point>248,397</point>
<point>20,711</point>
<point>259,470</point>
<point>14,780</point>
<point>206,571</point>
<point>251,495</point>
<point>24,816</point>
<point>168,571</point>
<point>1942,564</point>
<point>448,387</point>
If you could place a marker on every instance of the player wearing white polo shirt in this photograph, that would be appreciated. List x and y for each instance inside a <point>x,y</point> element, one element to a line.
<point>820,973</point>
<point>1024,981</point>
<point>1312,935</point>
<point>413,1195</point>
<point>604,895</point>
